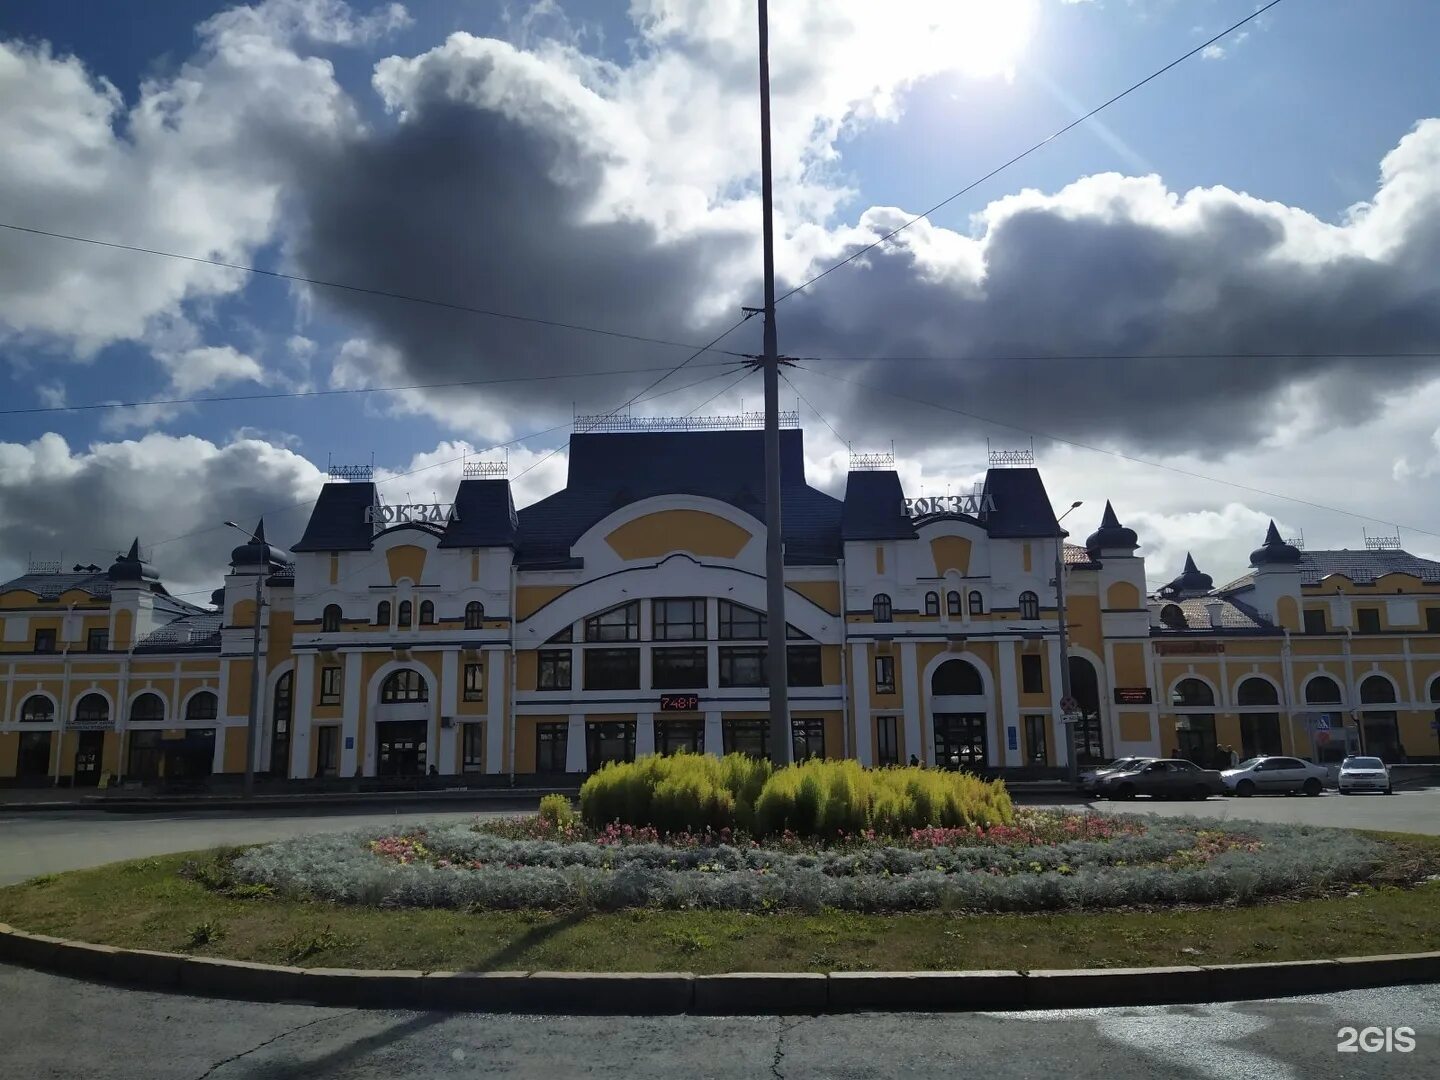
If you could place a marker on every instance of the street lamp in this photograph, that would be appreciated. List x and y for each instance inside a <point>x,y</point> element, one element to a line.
<point>1065,639</point>
<point>252,721</point>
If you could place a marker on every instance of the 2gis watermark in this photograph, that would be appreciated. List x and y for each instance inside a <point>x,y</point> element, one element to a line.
<point>1375,1040</point>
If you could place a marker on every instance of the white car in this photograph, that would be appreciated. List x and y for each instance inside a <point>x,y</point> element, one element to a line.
<point>1269,775</point>
<point>1364,774</point>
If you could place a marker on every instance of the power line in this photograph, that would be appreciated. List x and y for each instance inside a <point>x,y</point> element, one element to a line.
<point>361,289</point>
<point>993,358</point>
<point>1117,453</point>
<point>817,412</point>
<point>1026,153</point>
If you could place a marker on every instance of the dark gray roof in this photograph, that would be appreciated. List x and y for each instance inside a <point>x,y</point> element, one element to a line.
<point>1022,506</point>
<point>610,470</point>
<point>873,508</point>
<point>52,586</point>
<point>199,632</point>
<point>1360,567</point>
<point>1235,615</point>
<point>338,521</point>
<point>485,516</point>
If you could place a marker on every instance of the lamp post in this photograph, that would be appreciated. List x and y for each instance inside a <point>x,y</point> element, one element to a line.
<point>1070,762</point>
<point>252,721</point>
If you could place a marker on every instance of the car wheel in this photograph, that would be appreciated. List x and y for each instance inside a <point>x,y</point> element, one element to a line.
<point>1245,788</point>
<point>1312,786</point>
<point>1127,791</point>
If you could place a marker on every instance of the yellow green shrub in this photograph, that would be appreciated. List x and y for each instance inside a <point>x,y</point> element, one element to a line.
<point>556,809</point>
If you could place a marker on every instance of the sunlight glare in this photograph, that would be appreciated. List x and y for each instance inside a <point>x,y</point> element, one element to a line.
<point>981,38</point>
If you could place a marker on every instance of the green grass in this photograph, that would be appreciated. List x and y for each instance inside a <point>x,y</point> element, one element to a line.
<point>148,904</point>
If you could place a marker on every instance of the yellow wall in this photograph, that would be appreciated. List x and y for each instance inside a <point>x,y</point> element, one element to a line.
<point>244,613</point>
<point>531,598</point>
<point>1135,727</point>
<point>405,561</point>
<point>9,751</point>
<point>237,702</point>
<point>1122,596</point>
<point>1130,666</point>
<point>825,594</point>
<point>653,535</point>
<point>950,553</point>
<point>1288,613</point>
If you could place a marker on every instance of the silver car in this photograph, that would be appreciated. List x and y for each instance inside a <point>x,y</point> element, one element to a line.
<point>1275,775</point>
<point>1090,778</point>
<point>1364,774</point>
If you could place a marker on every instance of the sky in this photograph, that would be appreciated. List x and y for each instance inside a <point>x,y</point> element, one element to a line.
<point>1210,304</point>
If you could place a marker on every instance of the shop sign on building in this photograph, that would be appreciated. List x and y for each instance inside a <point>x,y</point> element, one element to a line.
<point>948,504</point>
<point>431,513</point>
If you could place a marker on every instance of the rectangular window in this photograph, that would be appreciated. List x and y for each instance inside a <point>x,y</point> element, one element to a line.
<point>551,741</point>
<point>747,737</point>
<point>329,686</point>
<point>887,739</point>
<point>553,670</point>
<point>884,674</point>
<point>678,669</point>
<point>1432,620</point>
<point>612,669</point>
<point>679,620</point>
<point>742,665</point>
<point>97,641</point>
<point>44,640</point>
<point>618,624</point>
<point>1035,739</point>
<point>1369,620</point>
<point>1314,620</point>
<point>673,736</point>
<point>607,741</point>
<point>472,748</point>
<point>803,666</point>
<point>474,682</point>
<point>1032,681</point>
<point>808,737</point>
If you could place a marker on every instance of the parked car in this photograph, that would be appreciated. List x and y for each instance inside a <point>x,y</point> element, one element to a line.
<point>1164,778</point>
<point>1364,774</point>
<point>1271,774</point>
<point>1089,779</point>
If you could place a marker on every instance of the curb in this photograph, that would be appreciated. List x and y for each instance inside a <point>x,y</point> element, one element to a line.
<point>750,993</point>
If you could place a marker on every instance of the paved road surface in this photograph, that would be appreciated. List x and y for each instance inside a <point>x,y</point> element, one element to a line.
<point>1417,810</point>
<point>56,1027</point>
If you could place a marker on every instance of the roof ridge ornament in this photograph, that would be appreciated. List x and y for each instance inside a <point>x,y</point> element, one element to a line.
<point>1011,459</point>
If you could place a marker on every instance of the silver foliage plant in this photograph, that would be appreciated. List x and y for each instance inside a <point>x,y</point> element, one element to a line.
<point>485,871</point>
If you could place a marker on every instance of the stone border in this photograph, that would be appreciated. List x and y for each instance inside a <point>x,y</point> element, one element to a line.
<point>652,994</point>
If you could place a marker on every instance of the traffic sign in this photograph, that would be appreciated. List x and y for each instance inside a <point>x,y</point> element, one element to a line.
<point>1322,737</point>
<point>1320,721</point>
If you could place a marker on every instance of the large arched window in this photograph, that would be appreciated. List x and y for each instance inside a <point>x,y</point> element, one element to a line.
<point>330,620</point>
<point>404,614</point>
<point>977,603</point>
<point>952,603</point>
<point>1256,692</point>
<point>1377,690</point>
<point>1259,731</point>
<point>474,615</point>
<point>1029,605</point>
<point>37,709</point>
<point>932,603</point>
<point>404,685</point>
<point>94,709</point>
<point>427,613</point>
<point>202,706</point>
<point>880,607</point>
<point>1322,690</point>
<point>1380,731</point>
<point>382,613</point>
<point>1089,735</point>
<point>957,677</point>
<point>144,707</point>
<point>280,717</point>
<point>1192,693</point>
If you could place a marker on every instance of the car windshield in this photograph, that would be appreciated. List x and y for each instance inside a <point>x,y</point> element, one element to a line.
<point>1363,763</point>
<point>1249,763</point>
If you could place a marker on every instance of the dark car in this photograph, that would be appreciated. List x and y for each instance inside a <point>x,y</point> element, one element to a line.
<point>1165,778</point>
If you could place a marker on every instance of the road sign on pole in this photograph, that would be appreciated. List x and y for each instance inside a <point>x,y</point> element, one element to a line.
<point>1069,705</point>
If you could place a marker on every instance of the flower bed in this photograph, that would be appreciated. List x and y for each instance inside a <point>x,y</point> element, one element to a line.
<point>1039,862</point>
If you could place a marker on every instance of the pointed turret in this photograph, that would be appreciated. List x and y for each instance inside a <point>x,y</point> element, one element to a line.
<point>257,552</point>
<point>1112,537</point>
<point>1190,583</point>
<point>1274,551</point>
<point>130,567</point>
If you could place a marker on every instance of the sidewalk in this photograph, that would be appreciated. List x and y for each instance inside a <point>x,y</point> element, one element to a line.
<point>42,800</point>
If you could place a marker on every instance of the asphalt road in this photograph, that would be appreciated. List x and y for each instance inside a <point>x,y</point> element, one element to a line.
<point>1415,811</point>
<point>56,1027</point>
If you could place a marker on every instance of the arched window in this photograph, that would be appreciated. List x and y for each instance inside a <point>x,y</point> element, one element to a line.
<point>37,710</point>
<point>977,603</point>
<point>330,620</point>
<point>952,603</point>
<point>1434,690</point>
<point>382,613</point>
<point>404,613</point>
<point>474,615</point>
<point>1256,692</point>
<point>1089,734</point>
<point>957,677</point>
<point>1192,693</point>
<point>1377,690</point>
<point>280,717</point>
<point>1173,616</point>
<point>932,603</point>
<point>94,709</point>
<point>427,613</point>
<point>144,707</point>
<point>202,706</point>
<point>1322,690</point>
<point>880,607</point>
<point>404,685</point>
<point>1029,605</point>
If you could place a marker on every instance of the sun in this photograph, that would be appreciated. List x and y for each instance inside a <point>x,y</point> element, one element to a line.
<point>980,38</point>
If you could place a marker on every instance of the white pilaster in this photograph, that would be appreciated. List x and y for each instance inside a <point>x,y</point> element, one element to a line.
<point>447,760</point>
<point>496,664</point>
<point>714,734</point>
<point>644,733</point>
<point>859,678</point>
<point>301,703</point>
<point>575,744</point>
<point>1009,706</point>
<point>1058,737</point>
<point>910,676</point>
<point>350,715</point>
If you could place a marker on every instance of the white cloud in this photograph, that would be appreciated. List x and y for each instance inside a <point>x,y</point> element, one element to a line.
<point>209,366</point>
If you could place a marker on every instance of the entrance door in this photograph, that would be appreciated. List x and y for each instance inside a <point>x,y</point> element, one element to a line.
<point>327,750</point>
<point>960,741</point>
<point>32,759</point>
<point>87,758</point>
<point>400,748</point>
<point>1197,742</point>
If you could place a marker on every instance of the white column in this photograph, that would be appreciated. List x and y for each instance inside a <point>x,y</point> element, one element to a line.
<point>445,760</point>
<point>575,744</point>
<point>859,678</point>
<point>914,743</point>
<point>1057,729</point>
<point>350,715</point>
<point>301,702</point>
<point>714,733</point>
<point>1009,705</point>
<point>644,733</point>
<point>496,663</point>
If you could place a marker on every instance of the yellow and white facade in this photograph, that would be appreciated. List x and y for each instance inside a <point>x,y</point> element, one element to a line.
<point>622,615</point>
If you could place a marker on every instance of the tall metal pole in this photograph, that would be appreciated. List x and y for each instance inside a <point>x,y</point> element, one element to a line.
<point>781,748</point>
<point>1070,763</point>
<point>252,721</point>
